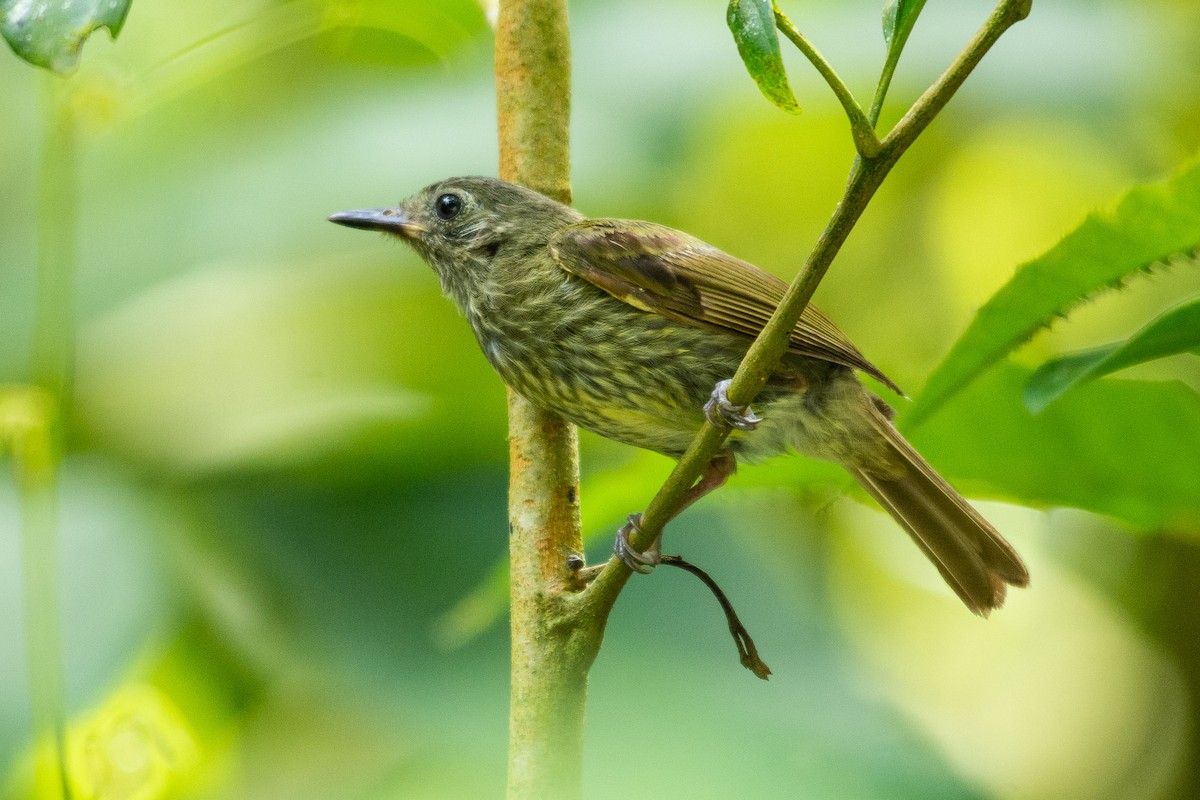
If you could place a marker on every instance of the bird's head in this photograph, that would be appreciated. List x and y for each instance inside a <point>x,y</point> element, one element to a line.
<point>465,227</point>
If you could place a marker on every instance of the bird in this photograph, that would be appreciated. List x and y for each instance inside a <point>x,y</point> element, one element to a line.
<point>632,329</point>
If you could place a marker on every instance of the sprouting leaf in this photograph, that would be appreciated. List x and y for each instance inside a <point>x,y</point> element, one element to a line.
<point>753,26</point>
<point>50,33</point>
<point>1152,224</point>
<point>1177,331</point>
<point>899,16</point>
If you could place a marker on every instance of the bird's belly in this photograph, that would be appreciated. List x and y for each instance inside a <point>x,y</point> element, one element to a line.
<point>642,380</point>
<point>638,404</point>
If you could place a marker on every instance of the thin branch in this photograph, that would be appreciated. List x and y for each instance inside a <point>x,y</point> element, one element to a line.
<point>935,98</point>
<point>766,350</point>
<point>747,651</point>
<point>863,131</point>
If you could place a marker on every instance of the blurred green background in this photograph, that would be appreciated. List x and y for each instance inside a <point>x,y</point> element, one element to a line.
<point>283,519</point>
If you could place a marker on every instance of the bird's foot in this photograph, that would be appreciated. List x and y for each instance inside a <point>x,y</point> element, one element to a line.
<point>643,562</point>
<point>721,412</point>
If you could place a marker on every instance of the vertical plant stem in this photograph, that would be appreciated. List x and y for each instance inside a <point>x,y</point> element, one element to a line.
<point>54,328</point>
<point>37,448</point>
<point>549,681</point>
<point>549,662</point>
<point>43,629</point>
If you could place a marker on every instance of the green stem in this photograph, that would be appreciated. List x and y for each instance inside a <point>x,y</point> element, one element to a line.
<point>553,646</point>
<point>37,447</point>
<point>548,688</point>
<point>43,628</point>
<point>900,31</point>
<point>54,319</point>
<point>935,98</point>
<point>769,347</point>
<point>863,131</point>
<point>881,88</point>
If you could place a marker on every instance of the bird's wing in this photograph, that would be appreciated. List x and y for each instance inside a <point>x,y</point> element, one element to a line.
<point>668,272</point>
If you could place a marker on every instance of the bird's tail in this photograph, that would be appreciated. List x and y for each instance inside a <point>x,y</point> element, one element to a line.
<point>972,556</point>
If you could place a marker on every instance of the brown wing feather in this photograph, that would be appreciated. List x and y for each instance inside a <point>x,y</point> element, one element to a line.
<point>668,272</point>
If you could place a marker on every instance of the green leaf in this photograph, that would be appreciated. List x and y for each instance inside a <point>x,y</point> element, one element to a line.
<point>1126,449</point>
<point>1152,224</point>
<point>899,16</point>
<point>50,33</point>
<point>753,26</point>
<point>1177,331</point>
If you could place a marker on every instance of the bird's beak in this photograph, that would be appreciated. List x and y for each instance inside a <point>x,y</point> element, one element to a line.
<point>388,220</point>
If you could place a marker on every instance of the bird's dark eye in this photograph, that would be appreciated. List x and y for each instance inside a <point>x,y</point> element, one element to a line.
<point>447,206</point>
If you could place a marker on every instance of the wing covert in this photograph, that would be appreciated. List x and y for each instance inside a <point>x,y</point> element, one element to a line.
<point>665,271</point>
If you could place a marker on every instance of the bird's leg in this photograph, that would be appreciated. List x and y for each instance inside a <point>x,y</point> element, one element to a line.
<point>715,473</point>
<point>720,411</point>
<point>643,562</point>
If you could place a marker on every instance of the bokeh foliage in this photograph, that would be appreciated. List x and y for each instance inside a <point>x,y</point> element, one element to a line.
<point>286,463</point>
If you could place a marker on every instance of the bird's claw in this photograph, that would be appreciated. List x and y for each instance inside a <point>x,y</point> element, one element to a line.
<point>643,562</point>
<point>721,412</point>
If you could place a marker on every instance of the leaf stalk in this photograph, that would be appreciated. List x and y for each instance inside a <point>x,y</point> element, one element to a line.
<point>865,140</point>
